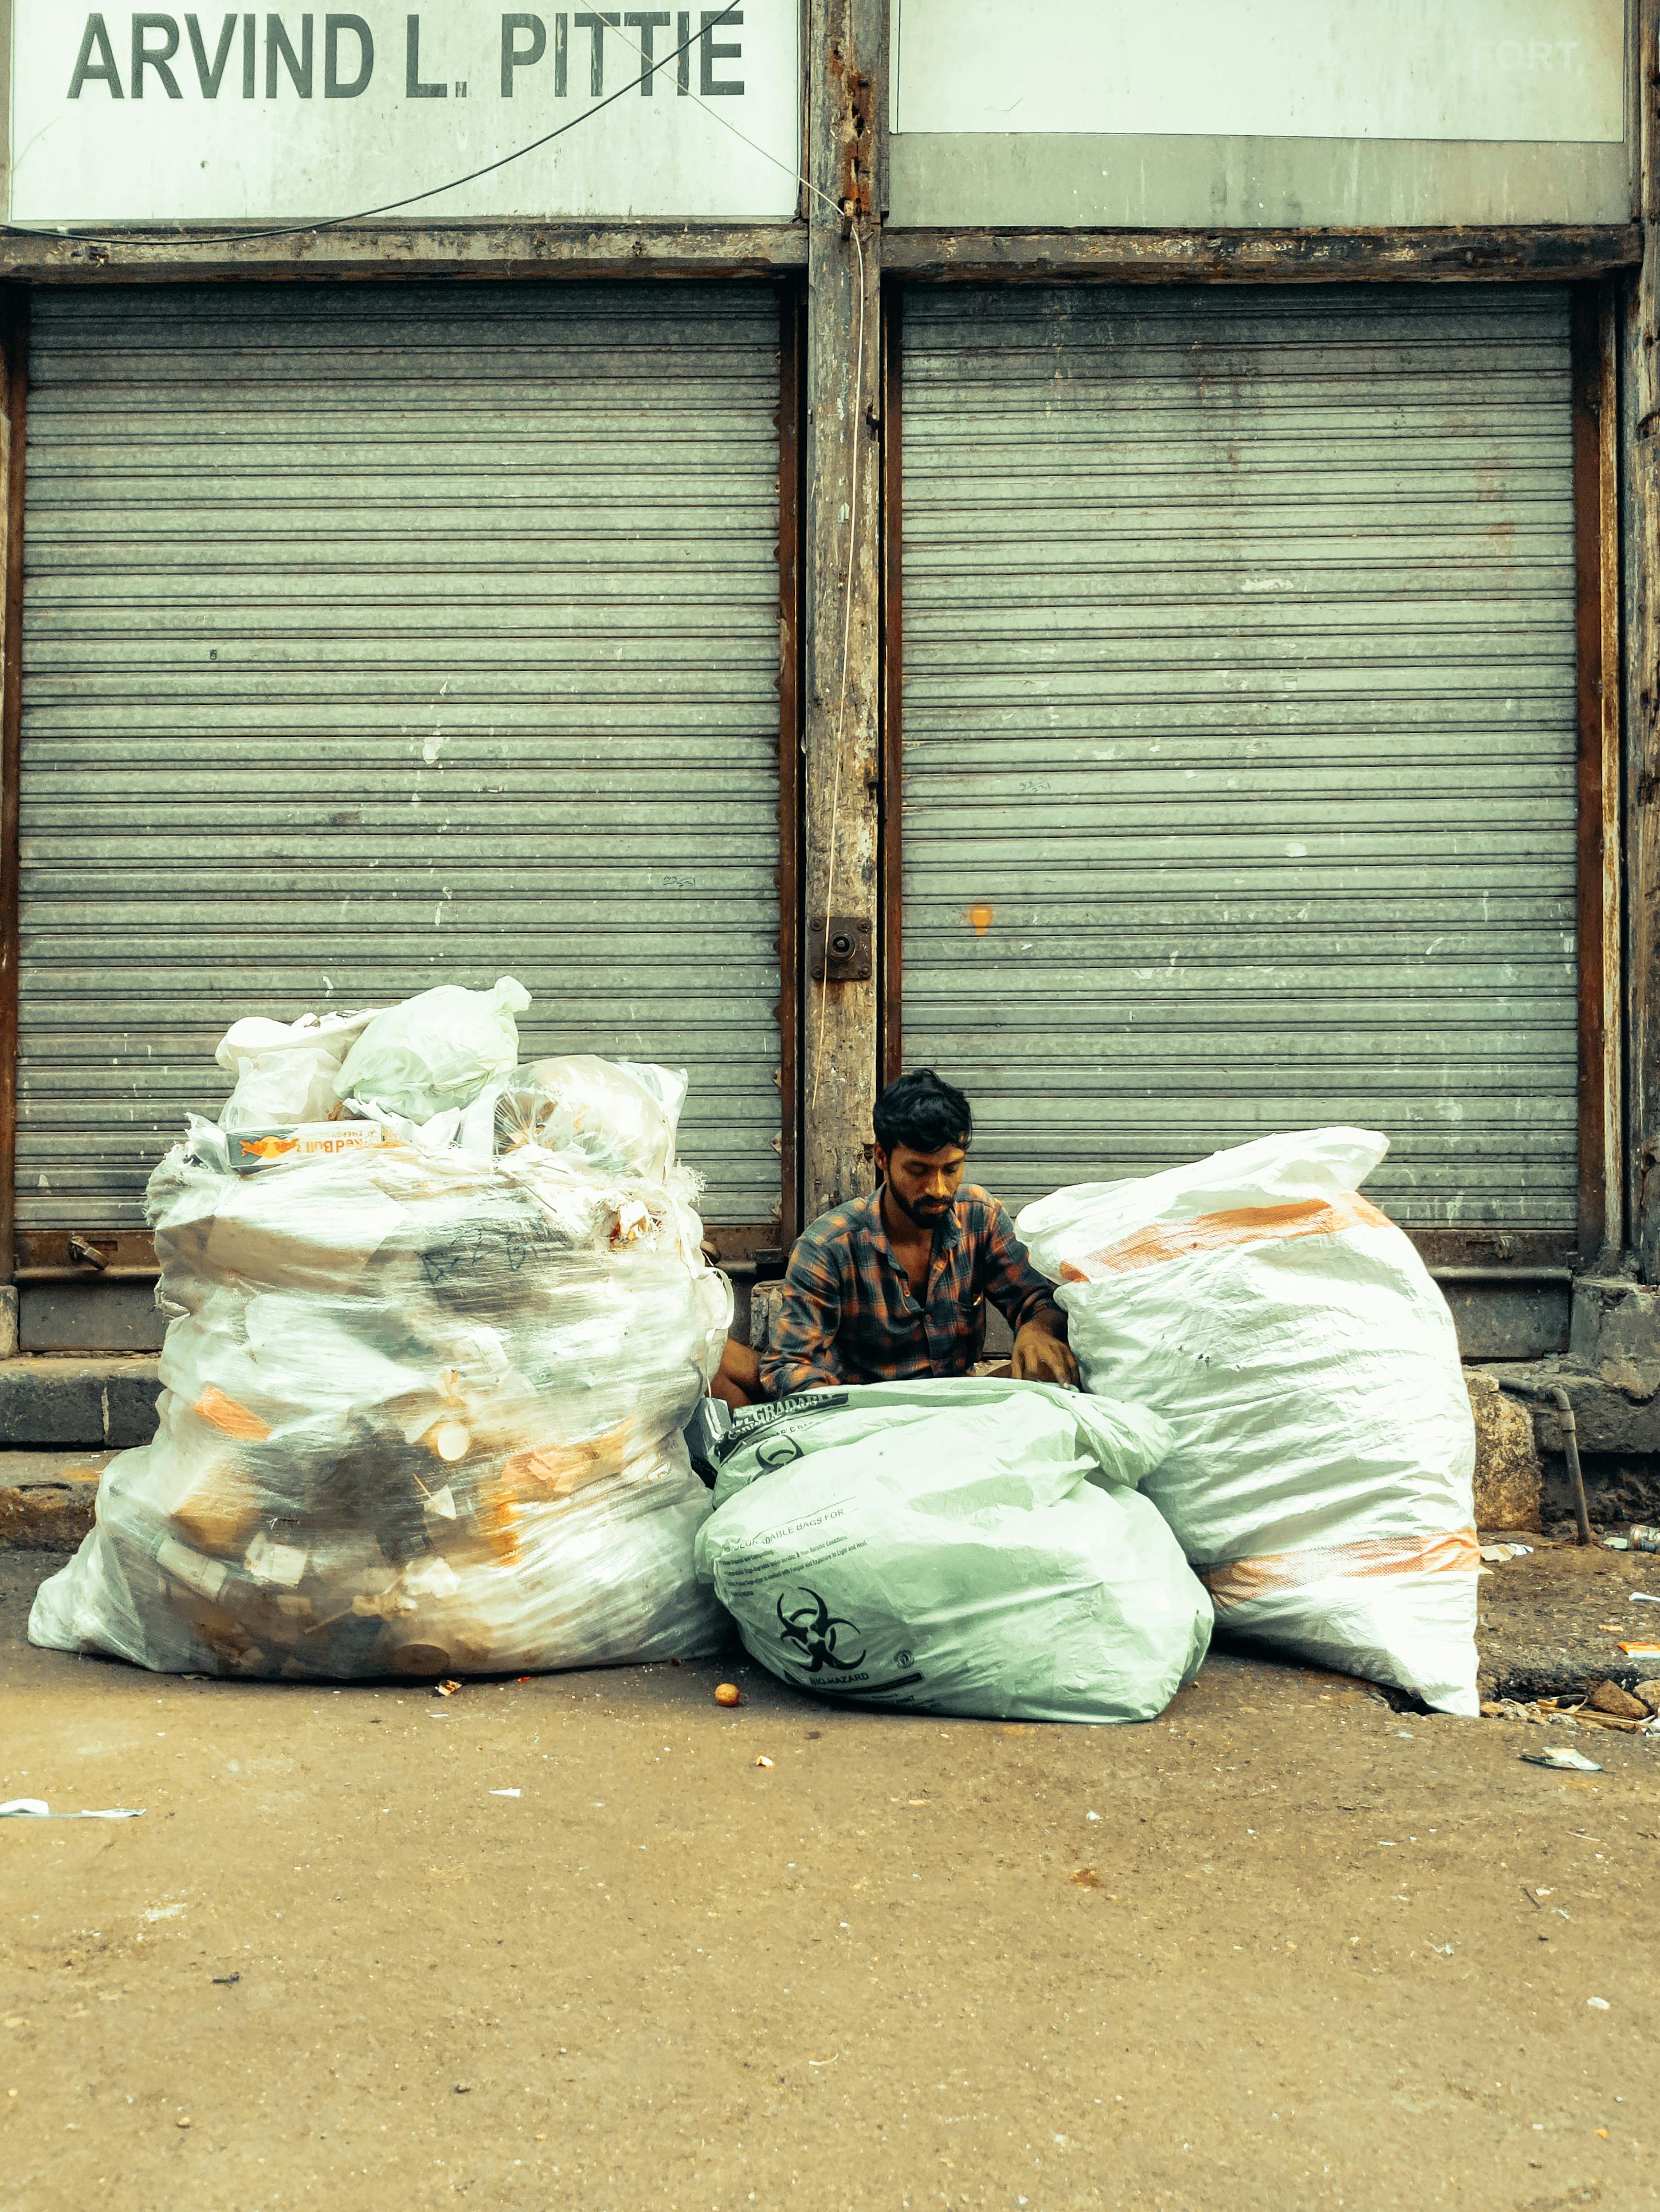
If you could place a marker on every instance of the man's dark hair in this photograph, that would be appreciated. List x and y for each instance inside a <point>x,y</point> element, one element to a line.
<point>922,1112</point>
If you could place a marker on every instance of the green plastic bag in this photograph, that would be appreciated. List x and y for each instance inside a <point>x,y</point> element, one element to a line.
<point>964,1546</point>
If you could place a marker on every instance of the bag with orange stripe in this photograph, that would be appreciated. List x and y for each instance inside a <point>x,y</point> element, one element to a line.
<point>1319,1478</point>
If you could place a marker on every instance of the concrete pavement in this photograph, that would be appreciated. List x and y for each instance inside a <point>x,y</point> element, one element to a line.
<point>1285,1948</point>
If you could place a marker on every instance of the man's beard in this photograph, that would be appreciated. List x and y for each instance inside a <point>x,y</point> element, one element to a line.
<point>928,1214</point>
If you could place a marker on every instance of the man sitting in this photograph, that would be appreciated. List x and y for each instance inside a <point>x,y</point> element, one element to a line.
<point>895,1285</point>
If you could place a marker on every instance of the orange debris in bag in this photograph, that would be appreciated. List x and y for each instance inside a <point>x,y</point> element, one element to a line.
<point>235,1420</point>
<point>219,1511</point>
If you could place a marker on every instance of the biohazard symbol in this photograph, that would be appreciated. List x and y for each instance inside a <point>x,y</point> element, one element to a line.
<point>811,1629</point>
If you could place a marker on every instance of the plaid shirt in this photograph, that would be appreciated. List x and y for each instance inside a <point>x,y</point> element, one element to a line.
<point>848,1313</point>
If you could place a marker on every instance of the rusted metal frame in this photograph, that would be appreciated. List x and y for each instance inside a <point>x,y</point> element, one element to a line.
<point>465,249</point>
<point>43,1256</point>
<point>891,962</point>
<point>1595,580</point>
<point>791,499</point>
<point>1642,489</point>
<point>14,441</point>
<point>1612,920</point>
<point>1454,255</point>
<point>1500,1253</point>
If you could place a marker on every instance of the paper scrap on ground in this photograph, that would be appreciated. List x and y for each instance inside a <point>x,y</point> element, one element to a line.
<point>1562,1755</point>
<point>506,1793</point>
<point>36,1808</point>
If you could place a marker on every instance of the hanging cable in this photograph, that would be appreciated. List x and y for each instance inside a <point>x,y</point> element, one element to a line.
<point>414,199</point>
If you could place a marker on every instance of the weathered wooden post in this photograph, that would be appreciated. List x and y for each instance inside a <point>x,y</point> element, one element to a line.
<point>846,73</point>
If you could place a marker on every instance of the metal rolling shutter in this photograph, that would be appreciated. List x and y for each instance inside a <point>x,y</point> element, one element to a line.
<point>381,637</point>
<point>1239,730</point>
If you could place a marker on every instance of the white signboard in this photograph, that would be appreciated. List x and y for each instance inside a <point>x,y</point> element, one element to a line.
<point>142,115</point>
<point>1517,71</point>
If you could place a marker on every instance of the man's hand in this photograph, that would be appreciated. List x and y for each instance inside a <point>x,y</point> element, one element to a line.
<point>1041,1353</point>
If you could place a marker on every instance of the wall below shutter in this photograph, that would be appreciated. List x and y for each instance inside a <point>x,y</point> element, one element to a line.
<point>381,637</point>
<point>1239,730</point>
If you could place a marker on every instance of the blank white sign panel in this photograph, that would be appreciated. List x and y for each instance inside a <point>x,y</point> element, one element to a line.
<point>1510,71</point>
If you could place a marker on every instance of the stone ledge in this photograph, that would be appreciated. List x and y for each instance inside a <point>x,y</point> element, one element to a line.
<point>59,1401</point>
<point>1616,1406</point>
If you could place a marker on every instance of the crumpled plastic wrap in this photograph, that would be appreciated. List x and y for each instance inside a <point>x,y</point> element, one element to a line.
<point>436,1053</point>
<point>421,1416</point>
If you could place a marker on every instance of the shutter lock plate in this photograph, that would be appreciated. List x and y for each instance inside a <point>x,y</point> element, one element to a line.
<point>839,949</point>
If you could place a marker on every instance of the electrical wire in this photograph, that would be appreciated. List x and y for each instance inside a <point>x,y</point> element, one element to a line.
<point>390,207</point>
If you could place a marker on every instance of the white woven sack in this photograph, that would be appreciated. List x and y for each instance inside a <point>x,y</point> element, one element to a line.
<point>1320,1481</point>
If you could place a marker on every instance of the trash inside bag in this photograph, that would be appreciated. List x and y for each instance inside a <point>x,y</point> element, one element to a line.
<point>963,1545</point>
<point>1323,1448</point>
<point>421,1415</point>
<point>434,1052</point>
<point>619,1116</point>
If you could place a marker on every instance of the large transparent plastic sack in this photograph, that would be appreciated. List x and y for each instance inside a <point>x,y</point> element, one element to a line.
<point>1322,1449</point>
<point>966,1545</point>
<point>285,1071</point>
<point>421,1416</point>
<point>619,1115</point>
<point>435,1052</point>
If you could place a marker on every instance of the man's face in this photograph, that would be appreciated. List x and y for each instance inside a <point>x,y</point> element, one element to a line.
<point>923,1184</point>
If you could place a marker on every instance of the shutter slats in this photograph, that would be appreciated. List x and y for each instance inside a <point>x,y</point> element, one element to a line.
<point>1239,730</point>
<point>379,636</point>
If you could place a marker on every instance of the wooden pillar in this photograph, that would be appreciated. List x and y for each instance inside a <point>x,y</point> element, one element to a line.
<point>1642,741</point>
<point>847,69</point>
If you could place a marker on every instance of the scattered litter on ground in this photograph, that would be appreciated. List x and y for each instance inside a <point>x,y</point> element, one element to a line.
<point>764,1761</point>
<point>729,1693</point>
<point>36,1808</point>
<point>1641,1650</point>
<point>1642,1539</point>
<point>1495,1552</point>
<point>1598,2004</point>
<point>506,1793</point>
<point>1643,1597</point>
<point>1616,1544</point>
<point>1562,1755</point>
<point>1605,1704</point>
<point>1602,1696</point>
<point>444,1689</point>
<point>1085,1878</point>
<point>225,1981</point>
